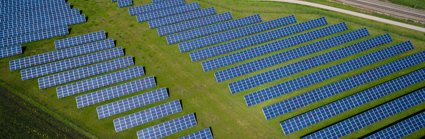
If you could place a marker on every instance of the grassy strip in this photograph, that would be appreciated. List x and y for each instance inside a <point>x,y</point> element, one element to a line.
<point>419,4</point>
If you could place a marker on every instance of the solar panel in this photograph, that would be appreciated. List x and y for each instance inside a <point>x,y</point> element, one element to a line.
<point>59,10</point>
<point>10,51</point>
<point>181,17</point>
<point>60,54</point>
<point>271,47</point>
<point>115,92</point>
<point>67,64</point>
<point>153,7</point>
<point>321,75</point>
<point>54,32</point>
<point>255,39</point>
<point>131,103</point>
<point>80,39</point>
<point>342,85</point>
<point>28,8</point>
<point>202,134</point>
<point>26,3</point>
<point>208,30</point>
<point>195,23</point>
<point>233,34</point>
<point>325,112</point>
<point>162,1</point>
<point>402,128</point>
<point>168,12</point>
<point>147,115</point>
<point>288,70</point>
<point>289,55</point>
<point>168,128</point>
<point>371,116</point>
<point>81,73</point>
<point>124,3</point>
<point>100,81</point>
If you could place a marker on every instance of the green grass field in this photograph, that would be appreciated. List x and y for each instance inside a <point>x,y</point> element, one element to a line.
<point>214,106</point>
<point>419,4</point>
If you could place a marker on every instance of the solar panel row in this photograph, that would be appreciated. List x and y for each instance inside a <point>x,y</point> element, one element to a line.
<point>168,12</point>
<point>67,64</point>
<point>289,55</point>
<point>168,127</point>
<point>272,47</point>
<point>54,32</point>
<point>195,23</point>
<point>256,39</point>
<point>26,2</point>
<point>48,57</point>
<point>371,116</point>
<point>153,7</point>
<point>115,92</point>
<point>41,13</point>
<point>202,134</point>
<point>288,70</point>
<point>325,112</point>
<point>147,115</point>
<point>233,34</point>
<point>181,17</point>
<point>124,3</point>
<point>80,39</point>
<point>84,72</point>
<point>10,9</point>
<point>208,30</point>
<point>10,51</point>
<point>321,75</point>
<point>131,103</point>
<point>402,128</point>
<point>100,81</point>
<point>342,85</point>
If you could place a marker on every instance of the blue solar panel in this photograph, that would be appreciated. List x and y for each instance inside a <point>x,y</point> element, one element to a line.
<point>60,54</point>
<point>27,2</point>
<point>155,6</point>
<point>168,12</point>
<point>131,103</point>
<point>289,55</point>
<point>325,112</point>
<point>147,115</point>
<point>81,73</point>
<point>115,92</point>
<point>370,117</point>
<point>341,86</point>
<point>202,134</point>
<point>54,32</point>
<point>162,1</point>
<point>125,3</point>
<point>288,70</point>
<point>187,25</point>
<point>168,127</point>
<point>208,30</point>
<point>402,128</point>
<point>321,75</point>
<point>80,39</point>
<point>67,64</point>
<point>181,17</point>
<point>256,39</point>
<point>60,11</point>
<point>10,51</point>
<point>233,34</point>
<point>11,9</point>
<point>271,47</point>
<point>98,82</point>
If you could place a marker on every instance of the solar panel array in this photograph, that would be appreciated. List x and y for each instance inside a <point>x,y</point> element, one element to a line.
<point>343,85</point>
<point>186,25</point>
<point>402,128</point>
<point>115,92</point>
<point>167,12</point>
<point>325,112</point>
<point>81,73</point>
<point>124,3</point>
<point>16,40</point>
<point>288,70</point>
<point>80,39</point>
<point>67,64</point>
<point>152,7</point>
<point>98,82</point>
<point>181,17</point>
<point>168,127</point>
<point>10,51</point>
<point>321,75</point>
<point>232,34</point>
<point>147,115</point>
<point>371,116</point>
<point>271,47</point>
<point>208,30</point>
<point>131,103</point>
<point>202,134</point>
